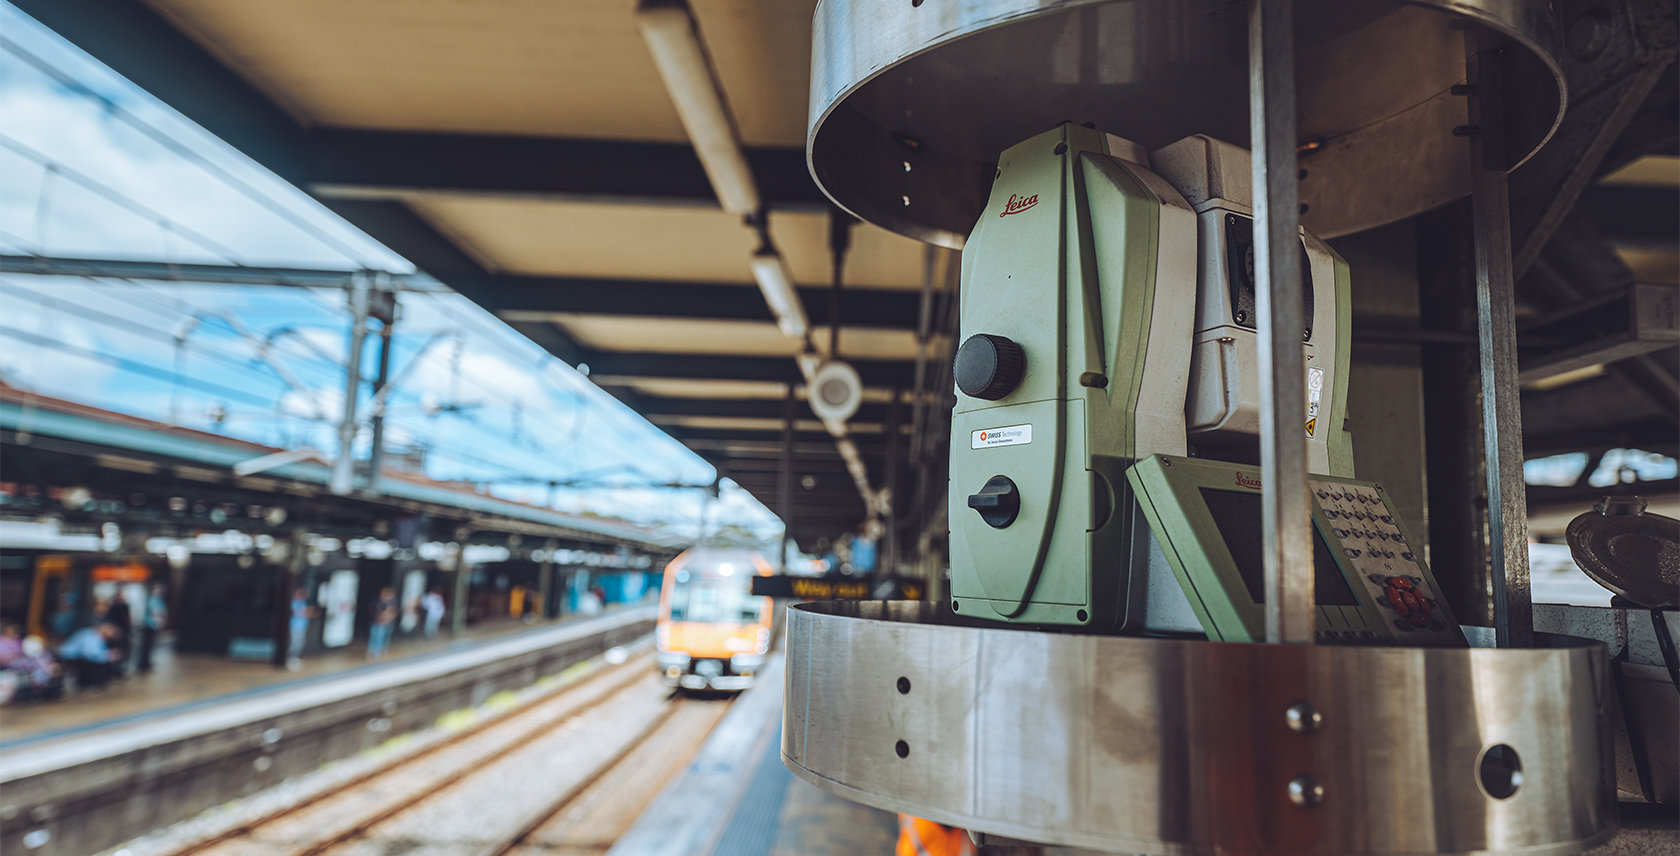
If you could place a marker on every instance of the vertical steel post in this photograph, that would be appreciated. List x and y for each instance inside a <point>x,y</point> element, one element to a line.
<point>344,469</point>
<point>545,580</point>
<point>458,601</point>
<point>376,457</point>
<point>887,557</point>
<point>785,487</point>
<point>1285,501</point>
<point>1496,332</point>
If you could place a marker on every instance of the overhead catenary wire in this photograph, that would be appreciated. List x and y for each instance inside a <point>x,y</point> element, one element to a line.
<point>172,228</point>
<point>120,199</point>
<point>227,254</point>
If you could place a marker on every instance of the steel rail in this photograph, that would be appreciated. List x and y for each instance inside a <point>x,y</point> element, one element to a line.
<point>538,818</point>
<point>532,709</point>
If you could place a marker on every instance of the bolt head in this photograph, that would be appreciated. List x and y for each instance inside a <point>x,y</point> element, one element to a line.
<point>1305,791</point>
<point>1303,717</point>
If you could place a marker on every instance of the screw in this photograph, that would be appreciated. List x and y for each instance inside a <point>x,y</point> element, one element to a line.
<point>1303,717</point>
<point>1305,791</point>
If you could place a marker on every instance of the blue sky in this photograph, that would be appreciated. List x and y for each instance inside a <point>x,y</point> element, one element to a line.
<point>92,166</point>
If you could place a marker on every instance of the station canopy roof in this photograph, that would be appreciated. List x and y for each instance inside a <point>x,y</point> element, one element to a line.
<point>527,154</point>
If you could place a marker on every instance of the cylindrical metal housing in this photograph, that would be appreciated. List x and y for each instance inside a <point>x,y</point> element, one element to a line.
<point>1140,745</point>
<point>911,103</point>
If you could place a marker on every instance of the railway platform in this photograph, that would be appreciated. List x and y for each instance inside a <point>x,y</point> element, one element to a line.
<point>181,682</point>
<point>90,789</point>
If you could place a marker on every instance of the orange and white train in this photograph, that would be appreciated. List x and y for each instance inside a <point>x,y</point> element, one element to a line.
<point>713,634</point>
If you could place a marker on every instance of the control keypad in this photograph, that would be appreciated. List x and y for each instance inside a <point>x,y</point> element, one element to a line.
<point>1384,562</point>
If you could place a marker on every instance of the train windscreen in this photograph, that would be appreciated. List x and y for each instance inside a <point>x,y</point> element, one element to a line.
<point>714,601</point>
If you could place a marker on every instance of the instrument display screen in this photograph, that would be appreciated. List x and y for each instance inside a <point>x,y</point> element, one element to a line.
<point>1237,515</point>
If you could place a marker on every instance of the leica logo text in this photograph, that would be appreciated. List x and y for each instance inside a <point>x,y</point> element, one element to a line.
<point>1245,481</point>
<point>1017,204</point>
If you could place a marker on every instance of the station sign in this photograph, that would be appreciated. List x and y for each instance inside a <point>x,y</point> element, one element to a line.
<point>835,588</point>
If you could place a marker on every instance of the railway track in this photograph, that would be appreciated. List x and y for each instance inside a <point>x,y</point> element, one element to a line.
<point>563,776</point>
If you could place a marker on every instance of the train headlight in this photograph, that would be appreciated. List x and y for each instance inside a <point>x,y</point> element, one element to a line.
<point>662,637</point>
<point>744,664</point>
<point>763,640</point>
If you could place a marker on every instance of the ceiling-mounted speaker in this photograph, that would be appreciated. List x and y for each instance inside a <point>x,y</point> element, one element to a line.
<point>836,391</point>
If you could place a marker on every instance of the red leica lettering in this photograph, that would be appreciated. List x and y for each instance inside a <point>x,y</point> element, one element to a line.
<point>1245,481</point>
<point>1017,204</point>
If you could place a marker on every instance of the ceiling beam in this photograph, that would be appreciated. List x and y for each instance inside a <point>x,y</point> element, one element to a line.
<point>407,234</point>
<point>397,165</point>
<point>539,298</point>
<point>759,408</point>
<point>1633,215</point>
<point>335,163</point>
<point>622,365</point>
<point>1607,86</point>
<point>871,446</point>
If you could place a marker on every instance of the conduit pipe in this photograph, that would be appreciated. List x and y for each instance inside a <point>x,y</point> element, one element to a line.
<point>673,38</point>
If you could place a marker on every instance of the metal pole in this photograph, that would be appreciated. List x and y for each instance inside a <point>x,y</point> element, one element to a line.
<point>545,580</point>
<point>1286,510</point>
<point>839,240</point>
<point>785,488</point>
<point>1496,331</point>
<point>343,473</point>
<point>376,458</point>
<point>888,556</point>
<point>458,602</point>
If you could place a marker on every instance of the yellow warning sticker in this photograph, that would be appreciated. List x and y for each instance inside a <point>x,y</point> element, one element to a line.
<point>1315,393</point>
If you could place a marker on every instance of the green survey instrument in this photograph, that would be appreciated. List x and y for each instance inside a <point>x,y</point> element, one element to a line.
<point>1371,584</point>
<point>1078,306</point>
<point>1108,314</point>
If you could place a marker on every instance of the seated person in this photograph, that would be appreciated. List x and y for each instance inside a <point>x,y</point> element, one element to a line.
<point>89,655</point>
<point>38,674</point>
<point>11,644</point>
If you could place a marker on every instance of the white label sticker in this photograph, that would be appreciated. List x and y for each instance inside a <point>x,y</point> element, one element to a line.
<point>1315,392</point>
<point>1012,435</point>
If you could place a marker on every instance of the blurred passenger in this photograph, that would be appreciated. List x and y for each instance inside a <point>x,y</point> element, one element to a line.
<point>88,653</point>
<point>298,628</point>
<point>38,675</point>
<point>11,644</point>
<point>119,615</point>
<point>384,613</point>
<point>153,620</point>
<point>433,607</point>
<point>63,620</point>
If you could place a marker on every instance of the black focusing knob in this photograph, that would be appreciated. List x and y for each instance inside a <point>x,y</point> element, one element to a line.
<point>989,367</point>
<point>998,502</point>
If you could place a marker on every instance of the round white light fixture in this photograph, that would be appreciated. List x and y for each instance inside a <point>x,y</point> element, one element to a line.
<point>835,392</point>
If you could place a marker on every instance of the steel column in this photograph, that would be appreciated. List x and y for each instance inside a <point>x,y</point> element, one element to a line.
<point>376,457</point>
<point>784,488</point>
<point>1496,331</point>
<point>1285,501</point>
<point>343,471</point>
